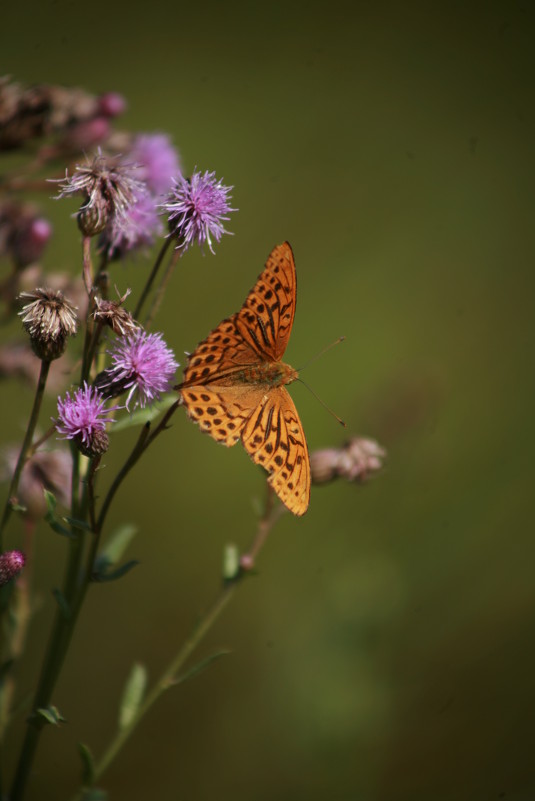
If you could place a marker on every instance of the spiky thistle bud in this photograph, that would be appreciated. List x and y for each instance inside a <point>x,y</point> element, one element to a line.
<point>11,563</point>
<point>49,318</point>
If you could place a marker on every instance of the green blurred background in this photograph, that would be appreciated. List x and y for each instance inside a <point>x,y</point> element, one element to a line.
<point>385,651</point>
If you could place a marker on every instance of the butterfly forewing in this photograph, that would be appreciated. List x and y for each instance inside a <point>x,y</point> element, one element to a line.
<point>265,319</point>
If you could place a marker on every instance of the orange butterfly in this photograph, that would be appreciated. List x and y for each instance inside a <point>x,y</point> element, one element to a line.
<point>233,384</point>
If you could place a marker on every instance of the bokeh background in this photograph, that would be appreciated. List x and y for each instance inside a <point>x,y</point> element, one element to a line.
<point>385,650</point>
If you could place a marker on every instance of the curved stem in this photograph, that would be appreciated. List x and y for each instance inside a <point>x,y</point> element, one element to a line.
<point>169,676</point>
<point>150,280</point>
<point>26,445</point>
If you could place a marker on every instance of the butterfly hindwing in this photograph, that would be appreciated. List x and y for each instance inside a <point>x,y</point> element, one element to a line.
<point>274,438</point>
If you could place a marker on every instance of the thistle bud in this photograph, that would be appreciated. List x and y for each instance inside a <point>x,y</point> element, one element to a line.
<point>354,461</point>
<point>11,563</point>
<point>49,318</point>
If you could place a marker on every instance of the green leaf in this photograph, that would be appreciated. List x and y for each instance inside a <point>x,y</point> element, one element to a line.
<point>51,714</point>
<point>51,517</point>
<point>50,500</point>
<point>81,525</point>
<point>132,695</point>
<point>231,562</point>
<point>146,415</point>
<point>200,666</point>
<point>88,765</point>
<point>118,573</point>
<point>117,544</point>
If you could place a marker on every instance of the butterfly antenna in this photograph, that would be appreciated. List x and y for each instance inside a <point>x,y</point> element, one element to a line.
<point>324,350</point>
<point>320,400</point>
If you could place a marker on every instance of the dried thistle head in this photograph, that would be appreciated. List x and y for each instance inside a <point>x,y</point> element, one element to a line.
<point>49,318</point>
<point>109,187</point>
<point>354,461</point>
<point>111,312</point>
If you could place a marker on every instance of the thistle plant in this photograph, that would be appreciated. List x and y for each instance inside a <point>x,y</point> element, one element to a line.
<point>133,194</point>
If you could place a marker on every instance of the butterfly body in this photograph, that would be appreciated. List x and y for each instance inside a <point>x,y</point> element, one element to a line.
<point>234,381</point>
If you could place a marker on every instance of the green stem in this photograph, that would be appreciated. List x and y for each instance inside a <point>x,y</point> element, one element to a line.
<point>204,625</point>
<point>158,295</point>
<point>145,439</point>
<point>150,280</point>
<point>26,445</point>
<point>168,677</point>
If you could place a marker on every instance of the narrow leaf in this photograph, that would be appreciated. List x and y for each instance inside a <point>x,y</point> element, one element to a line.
<point>118,573</point>
<point>231,562</point>
<point>146,415</point>
<point>81,525</point>
<point>116,545</point>
<point>88,765</point>
<point>132,695</point>
<point>51,518</point>
<point>51,714</point>
<point>200,666</point>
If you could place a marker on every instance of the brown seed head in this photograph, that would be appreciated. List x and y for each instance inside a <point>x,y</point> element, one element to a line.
<point>49,318</point>
<point>111,313</point>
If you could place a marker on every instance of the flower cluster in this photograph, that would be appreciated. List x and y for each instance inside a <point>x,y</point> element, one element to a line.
<point>157,163</point>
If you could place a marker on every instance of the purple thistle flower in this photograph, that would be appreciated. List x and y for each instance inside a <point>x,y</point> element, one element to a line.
<point>196,208</point>
<point>11,563</point>
<point>83,419</point>
<point>141,363</point>
<point>158,161</point>
<point>133,230</point>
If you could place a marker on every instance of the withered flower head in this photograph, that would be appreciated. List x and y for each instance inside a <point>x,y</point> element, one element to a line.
<point>49,318</point>
<point>354,461</point>
<point>111,312</point>
<point>109,186</point>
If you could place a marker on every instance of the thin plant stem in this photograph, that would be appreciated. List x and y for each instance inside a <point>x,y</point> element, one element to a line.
<point>145,439</point>
<point>151,278</point>
<point>41,441</point>
<point>170,675</point>
<point>158,295</point>
<point>26,445</point>
<point>88,265</point>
